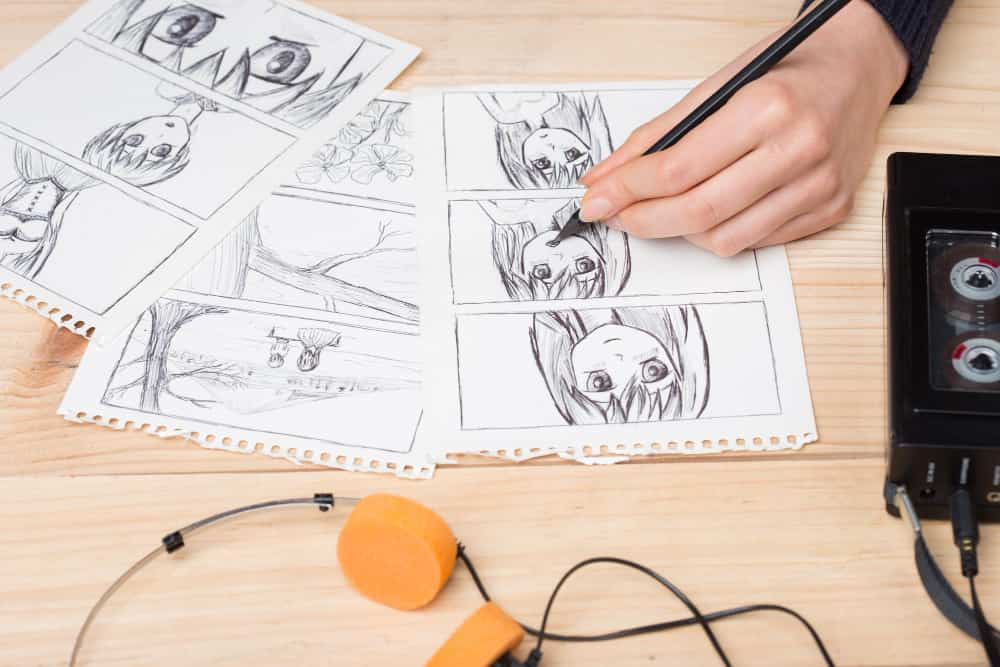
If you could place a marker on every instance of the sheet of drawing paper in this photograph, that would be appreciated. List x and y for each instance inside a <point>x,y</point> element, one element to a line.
<point>602,346</point>
<point>297,336</point>
<point>136,135</point>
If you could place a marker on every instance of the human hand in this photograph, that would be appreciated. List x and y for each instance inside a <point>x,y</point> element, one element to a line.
<point>781,160</point>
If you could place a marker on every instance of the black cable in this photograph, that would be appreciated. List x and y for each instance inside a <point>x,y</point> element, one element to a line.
<point>965,528</point>
<point>175,540</point>
<point>655,627</point>
<point>985,631</point>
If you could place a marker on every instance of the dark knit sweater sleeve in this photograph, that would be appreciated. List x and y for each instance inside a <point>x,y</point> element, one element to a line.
<point>916,24</point>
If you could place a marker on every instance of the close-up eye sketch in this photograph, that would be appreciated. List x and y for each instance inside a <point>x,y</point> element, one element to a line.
<point>548,139</point>
<point>298,77</point>
<point>142,152</point>
<point>592,264</point>
<point>623,365</point>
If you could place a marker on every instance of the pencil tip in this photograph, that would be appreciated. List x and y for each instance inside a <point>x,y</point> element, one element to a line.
<point>568,229</point>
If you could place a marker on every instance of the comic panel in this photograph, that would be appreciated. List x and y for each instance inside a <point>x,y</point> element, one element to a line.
<point>500,251</point>
<point>281,61</point>
<point>171,143</point>
<point>313,378</point>
<point>615,366</point>
<point>52,214</point>
<point>335,257</point>
<point>371,157</point>
<point>530,140</point>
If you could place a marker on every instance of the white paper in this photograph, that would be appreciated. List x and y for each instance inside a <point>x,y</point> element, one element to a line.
<point>605,346</point>
<point>297,336</point>
<point>136,135</point>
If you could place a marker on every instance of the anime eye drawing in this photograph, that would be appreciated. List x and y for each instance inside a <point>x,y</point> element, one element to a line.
<point>558,156</point>
<point>596,263</point>
<point>547,140</point>
<point>624,365</point>
<point>274,77</point>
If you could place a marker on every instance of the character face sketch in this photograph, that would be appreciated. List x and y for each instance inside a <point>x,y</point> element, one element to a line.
<point>547,140</point>
<point>558,156</point>
<point>282,75</point>
<point>574,263</point>
<point>615,357</point>
<point>148,151</point>
<point>624,365</point>
<point>592,264</point>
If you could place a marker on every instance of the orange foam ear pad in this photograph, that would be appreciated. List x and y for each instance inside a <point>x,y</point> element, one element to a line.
<point>481,640</point>
<point>396,551</point>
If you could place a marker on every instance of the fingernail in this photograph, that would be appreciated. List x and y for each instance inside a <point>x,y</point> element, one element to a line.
<point>595,209</point>
<point>615,223</point>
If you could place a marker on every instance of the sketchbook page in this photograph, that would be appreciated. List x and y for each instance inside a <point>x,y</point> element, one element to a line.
<point>296,336</point>
<point>606,345</point>
<point>136,135</point>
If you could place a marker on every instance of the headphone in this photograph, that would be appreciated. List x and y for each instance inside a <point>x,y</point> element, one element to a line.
<point>401,554</point>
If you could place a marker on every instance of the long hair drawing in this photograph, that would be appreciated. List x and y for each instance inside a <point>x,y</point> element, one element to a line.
<point>548,140</point>
<point>663,374</point>
<point>595,263</point>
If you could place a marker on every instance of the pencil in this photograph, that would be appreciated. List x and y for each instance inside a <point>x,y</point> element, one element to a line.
<point>759,66</point>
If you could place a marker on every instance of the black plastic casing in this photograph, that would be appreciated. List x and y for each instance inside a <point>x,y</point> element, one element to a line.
<point>935,437</point>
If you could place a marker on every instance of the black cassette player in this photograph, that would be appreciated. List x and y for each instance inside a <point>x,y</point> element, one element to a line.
<point>943,292</point>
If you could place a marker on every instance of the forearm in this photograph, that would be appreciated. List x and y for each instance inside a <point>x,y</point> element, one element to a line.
<point>916,24</point>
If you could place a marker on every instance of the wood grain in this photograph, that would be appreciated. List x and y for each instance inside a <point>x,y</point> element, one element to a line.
<point>805,529</point>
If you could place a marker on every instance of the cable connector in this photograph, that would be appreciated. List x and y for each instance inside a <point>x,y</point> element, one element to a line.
<point>965,528</point>
<point>173,541</point>
<point>325,501</point>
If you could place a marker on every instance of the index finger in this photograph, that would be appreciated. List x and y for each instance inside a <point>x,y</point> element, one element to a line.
<point>647,134</point>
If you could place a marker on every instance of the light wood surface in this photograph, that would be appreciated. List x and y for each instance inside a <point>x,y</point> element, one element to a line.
<point>78,504</point>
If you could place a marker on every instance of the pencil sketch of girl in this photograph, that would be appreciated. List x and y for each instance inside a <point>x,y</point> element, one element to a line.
<point>592,264</point>
<point>548,140</point>
<point>142,152</point>
<point>624,365</point>
<point>276,74</point>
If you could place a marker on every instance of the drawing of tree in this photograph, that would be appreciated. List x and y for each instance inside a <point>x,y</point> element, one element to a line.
<point>166,317</point>
<point>224,271</point>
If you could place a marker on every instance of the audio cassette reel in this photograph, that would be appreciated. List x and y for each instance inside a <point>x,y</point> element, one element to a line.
<point>943,304</point>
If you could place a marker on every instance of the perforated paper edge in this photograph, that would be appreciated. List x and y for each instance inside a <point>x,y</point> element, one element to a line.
<point>330,456</point>
<point>26,294</point>
<point>610,454</point>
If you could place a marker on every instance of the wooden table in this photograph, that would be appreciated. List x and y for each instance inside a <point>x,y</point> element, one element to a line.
<point>805,529</point>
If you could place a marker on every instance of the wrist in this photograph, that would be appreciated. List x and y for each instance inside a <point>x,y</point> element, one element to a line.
<point>869,41</point>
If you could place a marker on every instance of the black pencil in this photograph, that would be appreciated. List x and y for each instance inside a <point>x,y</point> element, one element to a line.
<point>759,66</point>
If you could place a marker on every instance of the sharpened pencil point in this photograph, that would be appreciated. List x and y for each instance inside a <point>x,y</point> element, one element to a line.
<point>571,227</point>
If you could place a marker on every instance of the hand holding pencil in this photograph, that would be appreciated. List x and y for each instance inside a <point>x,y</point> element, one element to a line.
<point>779,161</point>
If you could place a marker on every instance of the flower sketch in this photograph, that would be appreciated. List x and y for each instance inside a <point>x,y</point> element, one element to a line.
<point>376,159</point>
<point>331,161</point>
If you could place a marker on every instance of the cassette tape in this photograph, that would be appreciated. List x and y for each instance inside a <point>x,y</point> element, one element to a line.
<point>942,241</point>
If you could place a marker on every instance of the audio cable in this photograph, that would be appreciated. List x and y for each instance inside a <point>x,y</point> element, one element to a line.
<point>965,528</point>
<point>696,618</point>
<point>174,541</point>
